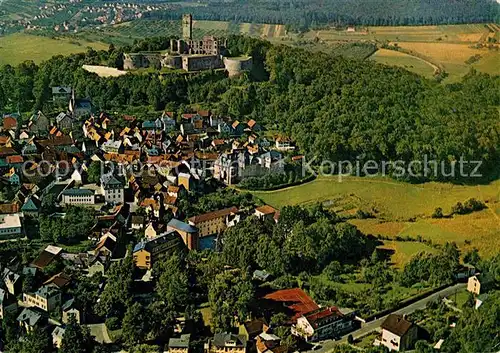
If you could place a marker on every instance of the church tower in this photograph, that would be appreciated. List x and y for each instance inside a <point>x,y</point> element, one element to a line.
<point>187,26</point>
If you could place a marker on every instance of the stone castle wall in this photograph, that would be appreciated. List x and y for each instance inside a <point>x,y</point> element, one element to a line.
<point>236,66</point>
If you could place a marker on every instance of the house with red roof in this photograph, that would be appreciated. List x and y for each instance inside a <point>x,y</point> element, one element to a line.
<point>323,323</point>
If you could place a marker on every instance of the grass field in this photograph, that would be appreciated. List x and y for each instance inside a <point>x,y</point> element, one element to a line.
<point>447,46</point>
<point>409,62</point>
<point>452,57</point>
<point>470,33</point>
<point>19,47</point>
<point>404,209</point>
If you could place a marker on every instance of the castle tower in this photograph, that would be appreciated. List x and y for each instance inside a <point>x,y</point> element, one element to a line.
<point>187,26</point>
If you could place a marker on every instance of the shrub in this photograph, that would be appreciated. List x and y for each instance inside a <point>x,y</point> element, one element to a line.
<point>112,323</point>
<point>438,213</point>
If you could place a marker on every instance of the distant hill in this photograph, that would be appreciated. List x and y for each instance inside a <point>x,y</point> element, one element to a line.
<point>301,14</point>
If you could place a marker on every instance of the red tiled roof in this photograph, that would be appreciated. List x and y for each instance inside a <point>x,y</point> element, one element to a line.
<point>59,280</point>
<point>9,123</point>
<point>204,113</point>
<point>9,208</point>
<point>251,123</point>
<point>317,316</point>
<point>212,215</point>
<point>14,159</point>
<point>188,116</point>
<point>295,299</point>
<point>266,209</point>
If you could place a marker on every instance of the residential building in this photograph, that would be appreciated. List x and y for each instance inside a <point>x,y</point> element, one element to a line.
<point>179,345</point>
<point>465,271</point>
<point>12,281</point>
<point>46,257</point>
<point>269,343</point>
<point>106,246</point>
<point>61,93</point>
<point>10,225</point>
<point>80,107</point>
<point>184,179</point>
<point>31,206</point>
<point>57,336</point>
<point>322,323</point>
<point>112,146</point>
<point>64,121</point>
<point>97,264</point>
<point>8,303</point>
<point>148,251</point>
<point>31,318</point>
<point>211,223</point>
<point>137,222</point>
<point>78,197</point>
<point>226,343</point>
<point>479,284</point>
<point>284,144</point>
<point>188,233</point>
<point>265,212</point>
<point>398,334</point>
<point>251,329</point>
<point>47,298</point>
<point>71,309</point>
<point>59,280</point>
<point>112,189</point>
<point>39,124</point>
<point>10,122</point>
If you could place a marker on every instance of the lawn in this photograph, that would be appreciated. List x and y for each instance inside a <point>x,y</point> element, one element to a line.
<point>405,250</point>
<point>409,62</point>
<point>404,209</point>
<point>460,298</point>
<point>19,47</point>
<point>392,200</point>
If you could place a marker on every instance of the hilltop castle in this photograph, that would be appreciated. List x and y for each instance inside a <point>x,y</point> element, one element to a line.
<point>189,54</point>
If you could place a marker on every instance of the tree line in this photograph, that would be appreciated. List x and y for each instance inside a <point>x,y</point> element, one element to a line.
<point>303,14</point>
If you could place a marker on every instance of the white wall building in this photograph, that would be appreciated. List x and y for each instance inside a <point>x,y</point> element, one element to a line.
<point>10,225</point>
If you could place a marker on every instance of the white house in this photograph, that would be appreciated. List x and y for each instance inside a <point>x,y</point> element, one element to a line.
<point>10,225</point>
<point>112,189</point>
<point>78,197</point>
<point>398,334</point>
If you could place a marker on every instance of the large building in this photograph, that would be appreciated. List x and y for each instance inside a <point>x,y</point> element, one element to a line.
<point>78,197</point>
<point>226,343</point>
<point>213,222</point>
<point>190,54</point>
<point>323,323</point>
<point>112,189</point>
<point>148,251</point>
<point>10,225</point>
<point>46,298</point>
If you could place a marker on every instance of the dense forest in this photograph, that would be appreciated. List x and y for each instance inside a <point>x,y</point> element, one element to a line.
<point>334,108</point>
<point>302,14</point>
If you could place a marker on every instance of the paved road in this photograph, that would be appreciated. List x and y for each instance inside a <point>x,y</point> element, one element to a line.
<point>374,325</point>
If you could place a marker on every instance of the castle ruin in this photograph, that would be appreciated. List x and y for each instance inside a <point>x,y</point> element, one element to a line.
<point>188,54</point>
